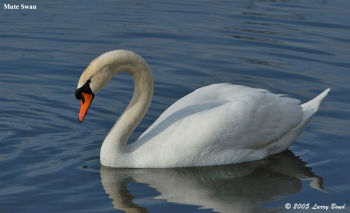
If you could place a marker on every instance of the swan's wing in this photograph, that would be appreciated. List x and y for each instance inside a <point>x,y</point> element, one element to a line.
<point>199,97</point>
<point>224,115</point>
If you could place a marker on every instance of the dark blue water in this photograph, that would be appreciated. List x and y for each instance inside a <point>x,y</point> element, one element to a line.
<point>50,163</point>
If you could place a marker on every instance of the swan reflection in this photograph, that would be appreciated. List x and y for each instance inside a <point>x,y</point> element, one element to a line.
<point>230,188</point>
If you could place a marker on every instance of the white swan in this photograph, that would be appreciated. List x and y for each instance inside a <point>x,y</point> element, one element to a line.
<point>214,125</point>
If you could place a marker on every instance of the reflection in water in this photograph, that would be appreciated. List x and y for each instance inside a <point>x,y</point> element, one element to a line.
<point>231,188</point>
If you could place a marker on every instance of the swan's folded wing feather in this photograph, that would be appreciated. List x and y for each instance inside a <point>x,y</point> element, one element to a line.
<point>198,97</point>
<point>227,116</point>
<point>255,121</point>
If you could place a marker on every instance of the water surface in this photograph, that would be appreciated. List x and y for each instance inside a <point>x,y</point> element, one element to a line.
<point>50,163</point>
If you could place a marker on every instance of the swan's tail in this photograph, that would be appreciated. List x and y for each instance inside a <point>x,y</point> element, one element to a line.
<point>311,107</point>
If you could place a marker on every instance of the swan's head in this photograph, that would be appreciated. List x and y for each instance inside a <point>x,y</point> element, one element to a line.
<point>92,80</point>
<point>103,68</point>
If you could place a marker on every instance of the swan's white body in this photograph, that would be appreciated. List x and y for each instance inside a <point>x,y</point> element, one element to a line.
<point>214,125</point>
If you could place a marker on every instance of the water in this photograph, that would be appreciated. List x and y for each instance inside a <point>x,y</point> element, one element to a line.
<point>50,163</point>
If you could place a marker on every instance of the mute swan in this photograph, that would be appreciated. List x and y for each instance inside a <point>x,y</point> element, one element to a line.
<point>214,125</point>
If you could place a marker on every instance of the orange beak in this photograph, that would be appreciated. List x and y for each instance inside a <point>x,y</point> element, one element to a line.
<point>86,100</point>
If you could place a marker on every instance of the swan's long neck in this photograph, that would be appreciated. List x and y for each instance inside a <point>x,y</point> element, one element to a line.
<point>116,141</point>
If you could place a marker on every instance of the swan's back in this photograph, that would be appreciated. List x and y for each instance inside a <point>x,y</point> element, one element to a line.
<point>210,125</point>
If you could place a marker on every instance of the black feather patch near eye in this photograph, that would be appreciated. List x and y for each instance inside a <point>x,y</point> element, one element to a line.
<point>86,89</point>
<point>78,94</point>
